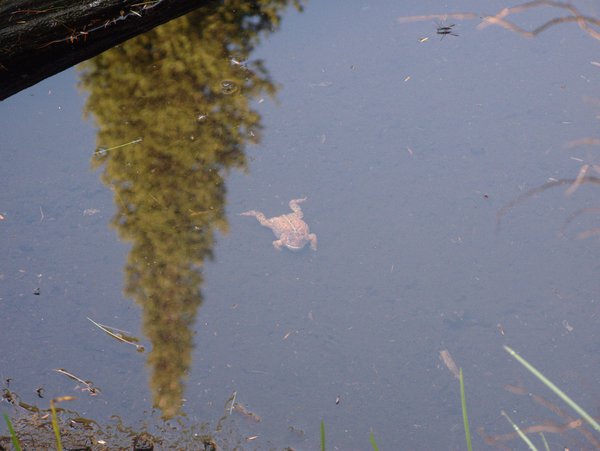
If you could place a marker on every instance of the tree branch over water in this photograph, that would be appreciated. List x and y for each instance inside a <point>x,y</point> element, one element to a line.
<point>39,38</point>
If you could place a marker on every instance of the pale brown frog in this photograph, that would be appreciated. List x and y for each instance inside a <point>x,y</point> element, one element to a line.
<point>291,231</point>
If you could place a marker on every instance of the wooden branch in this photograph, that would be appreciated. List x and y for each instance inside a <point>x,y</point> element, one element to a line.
<point>39,38</point>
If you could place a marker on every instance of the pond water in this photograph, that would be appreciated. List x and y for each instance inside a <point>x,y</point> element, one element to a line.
<point>406,144</point>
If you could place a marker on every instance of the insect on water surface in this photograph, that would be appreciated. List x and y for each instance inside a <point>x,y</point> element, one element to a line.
<point>444,30</point>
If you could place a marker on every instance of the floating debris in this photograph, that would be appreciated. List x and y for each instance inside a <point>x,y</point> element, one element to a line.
<point>229,87</point>
<point>583,172</point>
<point>90,211</point>
<point>103,150</point>
<point>119,335</point>
<point>232,399</point>
<point>87,385</point>
<point>239,408</point>
<point>322,84</point>
<point>450,363</point>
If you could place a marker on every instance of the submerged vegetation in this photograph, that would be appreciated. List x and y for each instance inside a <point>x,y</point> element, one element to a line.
<point>31,429</point>
<point>589,173</point>
<point>548,427</point>
<point>57,427</point>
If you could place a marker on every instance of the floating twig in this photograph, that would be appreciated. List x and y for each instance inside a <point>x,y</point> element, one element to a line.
<point>583,171</point>
<point>232,402</point>
<point>88,385</point>
<point>240,408</point>
<point>102,150</point>
<point>119,335</point>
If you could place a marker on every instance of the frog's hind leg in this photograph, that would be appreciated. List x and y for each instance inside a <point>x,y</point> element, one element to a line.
<point>259,216</point>
<point>278,244</point>
<point>296,208</point>
<point>313,241</point>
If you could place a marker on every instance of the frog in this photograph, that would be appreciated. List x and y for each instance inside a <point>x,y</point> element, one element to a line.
<point>290,229</point>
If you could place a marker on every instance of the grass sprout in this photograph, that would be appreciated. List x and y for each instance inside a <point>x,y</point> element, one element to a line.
<point>520,432</point>
<point>463,403</point>
<point>373,443</point>
<point>59,446</point>
<point>13,434</point>
<point>546,446</point>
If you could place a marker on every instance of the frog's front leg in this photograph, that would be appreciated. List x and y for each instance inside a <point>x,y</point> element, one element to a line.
<point>313,241</point>
<point>278,244</point>
<point>296,208</point>
<point>259,216</point>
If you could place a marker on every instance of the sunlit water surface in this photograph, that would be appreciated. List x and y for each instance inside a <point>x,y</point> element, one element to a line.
<point>406,150</point>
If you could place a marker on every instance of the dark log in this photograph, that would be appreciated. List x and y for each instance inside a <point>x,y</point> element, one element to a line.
<point>39,38</point>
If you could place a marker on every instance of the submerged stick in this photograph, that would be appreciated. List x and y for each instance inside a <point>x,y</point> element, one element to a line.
<point>526,195</point>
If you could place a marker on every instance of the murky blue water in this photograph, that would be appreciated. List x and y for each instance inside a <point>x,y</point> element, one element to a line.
<point>406,151</point>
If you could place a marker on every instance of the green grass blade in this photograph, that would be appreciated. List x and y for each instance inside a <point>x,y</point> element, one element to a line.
<point>520,432</point>
<point>322,435</point>
<point>13,434</point>
<point>586,416</point>
<point>546,447</point>
<point>55,427</point>
<point>463,403</point>
<point>373,443</point>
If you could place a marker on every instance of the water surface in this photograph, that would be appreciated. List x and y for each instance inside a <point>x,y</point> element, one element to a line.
<point>406,150</point>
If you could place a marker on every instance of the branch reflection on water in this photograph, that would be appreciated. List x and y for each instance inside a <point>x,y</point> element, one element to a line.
<point>586,23</point>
